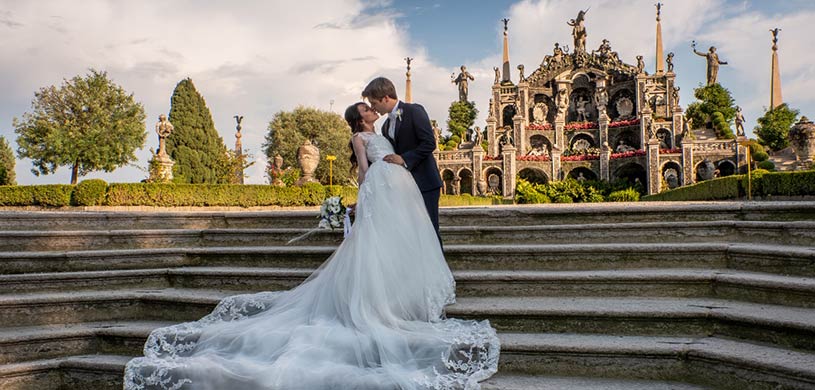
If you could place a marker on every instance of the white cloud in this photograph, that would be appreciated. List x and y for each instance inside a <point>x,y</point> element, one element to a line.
<point>257,58</point>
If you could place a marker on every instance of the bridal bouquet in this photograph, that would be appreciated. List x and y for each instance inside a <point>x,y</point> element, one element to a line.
<point>332,216</point>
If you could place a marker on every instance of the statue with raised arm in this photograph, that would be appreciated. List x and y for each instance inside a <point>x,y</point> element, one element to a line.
<point>461,81</point>
<point>579,31</point>
<point>713,63</point>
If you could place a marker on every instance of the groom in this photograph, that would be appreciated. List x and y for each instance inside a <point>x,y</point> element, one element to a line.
<point>408,129</point>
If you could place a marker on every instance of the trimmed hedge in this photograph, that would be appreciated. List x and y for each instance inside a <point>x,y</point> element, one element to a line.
<point>50,195</point>
<point>764,184</point>
<point>90,193</point>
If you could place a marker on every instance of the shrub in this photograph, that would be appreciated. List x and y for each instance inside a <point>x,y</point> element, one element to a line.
<point>90,193</point>
<point>51,195</point>
<point>767,164</point>
<point>626,195</point>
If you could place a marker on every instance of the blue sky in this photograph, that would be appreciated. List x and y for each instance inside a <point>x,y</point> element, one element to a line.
<point>255,58</point>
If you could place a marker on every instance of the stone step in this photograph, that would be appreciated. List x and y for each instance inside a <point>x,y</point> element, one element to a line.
<point>536,361</point>
<point>583,213</point>
<point>713,283</point>
<point>800,233</point>
<point>530,382</point>
<point>789,260</point>
<point>786,326</point>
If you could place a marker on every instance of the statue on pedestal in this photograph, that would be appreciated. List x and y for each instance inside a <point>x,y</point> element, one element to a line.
<point>461,81</point>
<point>579,31</point>
<point>739,122</point>
<point>161,165</point>
<point>713,63</point>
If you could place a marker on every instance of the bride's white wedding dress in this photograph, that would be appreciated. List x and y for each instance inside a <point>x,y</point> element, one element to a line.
<point>371,317</point>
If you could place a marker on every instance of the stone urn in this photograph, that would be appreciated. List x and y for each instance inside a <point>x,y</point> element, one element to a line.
<point>481,187</point>
<point>308,157</point>
<point>802,140</point>
<point>277,167</point>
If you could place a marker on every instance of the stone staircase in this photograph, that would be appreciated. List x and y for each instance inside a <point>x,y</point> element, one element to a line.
<point>590,296</point>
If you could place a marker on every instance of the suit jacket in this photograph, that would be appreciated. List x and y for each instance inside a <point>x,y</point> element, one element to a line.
<point>415,142</point>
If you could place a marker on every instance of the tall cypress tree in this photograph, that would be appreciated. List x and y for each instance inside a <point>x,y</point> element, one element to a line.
<point>7,161</point>
<point>199,152</point>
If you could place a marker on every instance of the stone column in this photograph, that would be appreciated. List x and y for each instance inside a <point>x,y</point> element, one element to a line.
<point>509,165</point>
<point>556,164</point>
<point>605,158</point>
<point>687,162</point>
<point>492,149</point>
<point>479,182</point>
<point>520,133</point>
<point>654,174</point>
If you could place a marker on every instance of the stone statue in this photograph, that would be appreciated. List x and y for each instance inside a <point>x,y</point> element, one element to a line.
<point>625,108</point>
<point>461,81</point>
<point>580,107</point>
<point>579,31</point>
<point>478,137</point>
<point>521,77</point>
<point>640,65</point>
<point>622,147</point>
<point>802,140</point>
<point>456,185</point>
<point>739,122</point>
<point>671,178</point>
<point>670,61</point>
<point>675,96</point>
<point>506,138</point>
<point>562,103</point>
<point>163,128</point>
<point>497,75</point>
<point>557,57</point>
<point>308,157</point>
<point>601,100</point>
<point>713,63</point>
<point>436,132</point>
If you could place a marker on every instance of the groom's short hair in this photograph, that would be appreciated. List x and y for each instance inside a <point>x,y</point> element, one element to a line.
<point>378,88</point>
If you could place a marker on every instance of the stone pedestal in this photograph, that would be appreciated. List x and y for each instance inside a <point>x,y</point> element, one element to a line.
<point>802,140</point>
<point>308,157</point>
<point>161,169</point>
<point>508,154</point>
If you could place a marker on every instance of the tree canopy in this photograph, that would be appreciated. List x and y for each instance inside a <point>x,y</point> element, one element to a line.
<point>461,118</point>
<point>773,127</point>
<point>198,151</point>
<point>326,130</point>
<point>88,123</point>
<point>7,162</point>
<point>715,108</point>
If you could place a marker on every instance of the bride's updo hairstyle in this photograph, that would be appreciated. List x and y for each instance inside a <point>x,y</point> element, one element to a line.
<point>354,119</point>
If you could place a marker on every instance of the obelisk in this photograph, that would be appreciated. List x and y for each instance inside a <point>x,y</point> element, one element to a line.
<point>775,83</point>
<point>505,77</point>
<point>660,64</point>
<point>408,92</point>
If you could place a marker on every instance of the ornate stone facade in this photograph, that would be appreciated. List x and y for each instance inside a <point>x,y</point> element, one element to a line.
<point>588,115</point>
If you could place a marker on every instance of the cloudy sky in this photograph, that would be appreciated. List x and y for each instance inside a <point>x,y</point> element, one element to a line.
<point>256,58</point>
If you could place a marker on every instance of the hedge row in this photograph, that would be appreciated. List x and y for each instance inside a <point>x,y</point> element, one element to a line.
<point>764,184</point>
<point>99,193</point>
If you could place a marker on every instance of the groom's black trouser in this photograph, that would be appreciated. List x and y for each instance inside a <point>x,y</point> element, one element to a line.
<point>431,203</point>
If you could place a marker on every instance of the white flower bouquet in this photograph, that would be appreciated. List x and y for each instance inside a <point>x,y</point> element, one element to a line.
<point>332,216</point>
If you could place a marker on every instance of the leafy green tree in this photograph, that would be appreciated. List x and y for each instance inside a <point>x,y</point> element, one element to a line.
<point>715,108</point>
<point>462,116</point>
<point>88,123</point>
<point>198,151</point>
<point>774,127</point>
<point>7,176</point>
<point>326,130</point>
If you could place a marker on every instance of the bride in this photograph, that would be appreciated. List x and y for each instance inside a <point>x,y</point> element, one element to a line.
<point>371,317</point>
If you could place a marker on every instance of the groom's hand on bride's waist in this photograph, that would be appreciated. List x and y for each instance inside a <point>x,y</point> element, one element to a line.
<point>395,159</point>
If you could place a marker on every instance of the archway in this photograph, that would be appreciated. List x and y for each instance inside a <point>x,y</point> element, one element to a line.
<point>539,146</point>
<point>447,177</point>
<point>582,141</point>
<point>534,175</point>
<point>582,174</point>
<point>633,173</point>
<point>466,182</point>
<point>495,180</point>
<point>508,113</point>
<point>725,168</point>
<point>672,175</point>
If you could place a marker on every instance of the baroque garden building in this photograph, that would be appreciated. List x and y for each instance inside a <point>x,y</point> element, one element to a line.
<point>586,114</point>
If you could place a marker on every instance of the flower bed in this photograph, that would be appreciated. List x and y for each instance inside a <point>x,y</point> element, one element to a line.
<point>533,158</point>
<point>545,126</point>
<point>631,122</point>
<point>581,126</point>
<point>580,157</point>
<point>632,153</point>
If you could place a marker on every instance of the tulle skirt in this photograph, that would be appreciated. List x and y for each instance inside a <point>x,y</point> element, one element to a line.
<point>370,317</point>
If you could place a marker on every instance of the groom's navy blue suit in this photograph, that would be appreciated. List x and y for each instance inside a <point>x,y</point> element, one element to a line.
<point>415,141</point>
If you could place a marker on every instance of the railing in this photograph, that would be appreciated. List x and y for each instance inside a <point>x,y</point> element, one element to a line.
<point>714,146</point>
